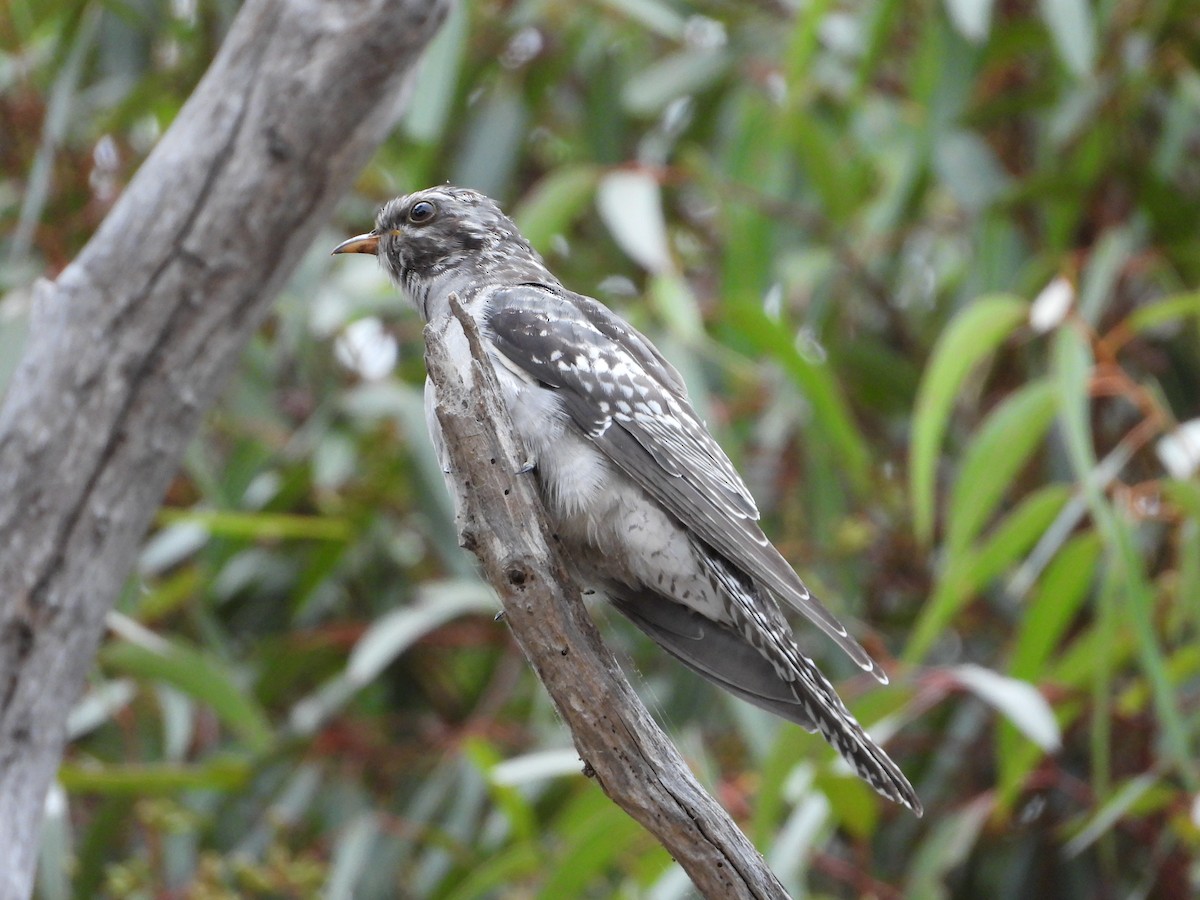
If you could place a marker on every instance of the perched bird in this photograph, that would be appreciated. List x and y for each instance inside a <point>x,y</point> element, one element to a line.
<point>648,508</point>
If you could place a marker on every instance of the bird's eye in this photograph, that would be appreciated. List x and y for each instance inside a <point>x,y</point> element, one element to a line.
<point>421,212</point>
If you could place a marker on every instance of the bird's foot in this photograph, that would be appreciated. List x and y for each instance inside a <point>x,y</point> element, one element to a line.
<point>526,467</point>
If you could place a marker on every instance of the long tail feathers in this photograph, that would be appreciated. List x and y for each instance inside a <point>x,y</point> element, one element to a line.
<point>726,657</point>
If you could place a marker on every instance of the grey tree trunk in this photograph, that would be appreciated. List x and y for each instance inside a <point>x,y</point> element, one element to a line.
<point>134,340</point>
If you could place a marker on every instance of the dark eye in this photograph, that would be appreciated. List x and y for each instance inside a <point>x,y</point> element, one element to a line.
<point>421,212</point>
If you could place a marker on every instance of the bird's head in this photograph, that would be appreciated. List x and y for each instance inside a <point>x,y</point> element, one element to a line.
<point>427,234</point>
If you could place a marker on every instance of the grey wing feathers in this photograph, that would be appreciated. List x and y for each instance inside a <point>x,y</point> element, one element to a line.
<point>715,652</point>
<point>655,364</point>
<point>633,406</point>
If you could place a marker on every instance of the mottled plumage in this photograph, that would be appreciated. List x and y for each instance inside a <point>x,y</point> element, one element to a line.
<point>649,508</point>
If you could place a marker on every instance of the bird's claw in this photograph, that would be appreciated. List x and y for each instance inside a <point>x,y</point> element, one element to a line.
<point>526,467</point>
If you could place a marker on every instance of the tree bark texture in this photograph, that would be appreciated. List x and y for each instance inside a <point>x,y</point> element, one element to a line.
<point>502,521</point>
<point>133,341</point>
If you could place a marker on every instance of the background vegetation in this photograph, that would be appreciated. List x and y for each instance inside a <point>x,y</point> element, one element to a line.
<point>929,269</point>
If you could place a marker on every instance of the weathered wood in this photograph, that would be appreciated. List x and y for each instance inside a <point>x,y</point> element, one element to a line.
<point>502,521</point>
<point>134,340</point>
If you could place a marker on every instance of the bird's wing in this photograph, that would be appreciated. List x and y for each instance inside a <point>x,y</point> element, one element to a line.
<point>632,404</point>
<point>716,652</point>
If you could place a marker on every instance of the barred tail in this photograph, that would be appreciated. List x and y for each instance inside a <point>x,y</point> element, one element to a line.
<point>726,657</point>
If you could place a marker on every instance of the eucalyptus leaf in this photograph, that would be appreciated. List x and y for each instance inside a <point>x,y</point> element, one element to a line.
<point>630,203</point>
<point>972,18</point>
<point>971,336</point>
<point>1020,701</point>
<point>1073,30</point>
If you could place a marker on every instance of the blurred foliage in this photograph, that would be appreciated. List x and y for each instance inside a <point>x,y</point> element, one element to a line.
<point>930,269</point>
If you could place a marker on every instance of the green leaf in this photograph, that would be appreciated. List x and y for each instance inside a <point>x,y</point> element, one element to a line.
<point>967,166</point>
<point>1109,258</point>
<point>498,874</point>
<point>996,455</point>
<point>389,636</point>
<point>972,335</point>
<point>831,414</point>
<point>972,18</point>
<point>548,208</point>
<point>1188,585</point>
<point>659,18</point>
<point>1074,33</point>
<point>1118,806</point>
<point>166,595</point>
<point>806,824</point>
<point>967,573</point>
<point>853,804</point>
<point>773,771</point>
<point>1076,665</point>
<point>490,143</point>
<point>1155,315</point>
<point>198,675</point>
<point>687,72</point>
<point>100,704</point>
<point>805,41</point>
<point>259,526</point>
<point>1072,368</point>
<point>630,204</point>
<point>825,164</point>
<point>1014,535</point>
<point>171,545</point>
<point>505,794</point>
<point>1019,701</point>
<point>431,105</point>
<point>945,847</point>
<point>1058,597</point>
<point>352,857</point>
<point>149,779</point>
<point>591,832</point>
<point>672,297</point>
<point>54,848</point>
